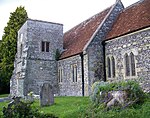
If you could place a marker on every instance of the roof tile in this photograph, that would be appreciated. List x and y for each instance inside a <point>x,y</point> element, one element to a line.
<point>131,19</point>
<point>76,38</point>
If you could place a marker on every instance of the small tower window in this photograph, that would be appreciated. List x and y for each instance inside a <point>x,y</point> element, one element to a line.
<point>47,46</point>
<point>44,46</point>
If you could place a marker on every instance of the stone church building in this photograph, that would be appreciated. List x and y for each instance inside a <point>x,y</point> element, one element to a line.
<point>112,45</point>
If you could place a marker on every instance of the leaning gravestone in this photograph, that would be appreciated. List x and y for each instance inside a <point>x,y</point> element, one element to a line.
<point>46,95</point>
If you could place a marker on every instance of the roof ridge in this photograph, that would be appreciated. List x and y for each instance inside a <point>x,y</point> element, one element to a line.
<point>44,21</point>
<point>132,5</point>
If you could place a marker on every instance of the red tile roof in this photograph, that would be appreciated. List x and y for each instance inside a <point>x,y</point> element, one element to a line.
<point>76,38</point>
<point>131,19</point>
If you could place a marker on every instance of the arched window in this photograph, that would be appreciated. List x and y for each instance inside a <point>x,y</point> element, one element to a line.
<point>74,73</point>
<point>109,67</point>
<point>127,66</point>
<point>60,75</point>
<point>132,64</point>
<point>113,66</point>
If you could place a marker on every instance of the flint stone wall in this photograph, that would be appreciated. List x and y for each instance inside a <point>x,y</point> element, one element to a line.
<point>32,65</point>
<point>67,86</point>
<point>139,44</point>
<point>95,48</point>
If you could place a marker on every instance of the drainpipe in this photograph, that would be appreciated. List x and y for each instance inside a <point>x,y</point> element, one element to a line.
<point>82,66</point>
<point>104,69</point>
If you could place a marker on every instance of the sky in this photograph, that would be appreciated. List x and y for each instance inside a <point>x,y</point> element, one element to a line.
<point>67,12</point>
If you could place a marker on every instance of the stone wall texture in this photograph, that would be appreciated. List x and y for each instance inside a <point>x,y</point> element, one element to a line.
<point>139,44</point>
<point>67,87</point>
<point>95,47</point>
<point>32,66</point>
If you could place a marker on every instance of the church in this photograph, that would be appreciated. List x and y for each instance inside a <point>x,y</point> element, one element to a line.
<point>112,45</point>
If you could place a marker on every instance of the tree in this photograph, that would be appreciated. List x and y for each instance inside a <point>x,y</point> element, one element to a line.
<point>8,45</point>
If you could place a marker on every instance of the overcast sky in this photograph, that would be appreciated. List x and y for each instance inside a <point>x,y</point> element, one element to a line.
<point>67,12</point>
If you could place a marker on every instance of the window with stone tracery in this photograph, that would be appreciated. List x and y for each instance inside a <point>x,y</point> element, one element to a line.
<point>111,67</point>
<point>130,65</point>
<point>74,73</point>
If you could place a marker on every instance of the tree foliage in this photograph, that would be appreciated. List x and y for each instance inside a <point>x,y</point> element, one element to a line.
<point>8,45</point>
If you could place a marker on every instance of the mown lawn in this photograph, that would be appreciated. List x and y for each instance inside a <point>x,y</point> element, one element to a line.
<point>65,107</point>
<point>4,95</point>
<point>81,107</point>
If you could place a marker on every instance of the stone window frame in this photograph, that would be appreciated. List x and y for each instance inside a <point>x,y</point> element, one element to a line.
<point>60,75</point>
<point>111,67</point>
<point>74,73</point>
<point>130,68</point>
<point>45,46</point>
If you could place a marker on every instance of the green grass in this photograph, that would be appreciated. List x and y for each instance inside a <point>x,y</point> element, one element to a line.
<point>138,111</point>
<point>81,107</point>
<point>65,107</point>
<point>2,104</point>
<point>4,95</point>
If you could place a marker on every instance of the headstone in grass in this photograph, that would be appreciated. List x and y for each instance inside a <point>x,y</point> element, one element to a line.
<point>46,95</point>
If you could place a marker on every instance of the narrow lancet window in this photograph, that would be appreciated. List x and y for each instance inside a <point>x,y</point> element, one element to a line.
<point>113,67</point>
<point>132,64</point>
<point>127,65</point>
<point>109,67</point>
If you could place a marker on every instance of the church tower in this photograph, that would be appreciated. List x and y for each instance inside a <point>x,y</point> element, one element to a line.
<point>35,61</point>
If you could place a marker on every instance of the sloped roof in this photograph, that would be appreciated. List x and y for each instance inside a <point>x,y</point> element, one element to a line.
<point>76,38</point>
<point>131,19</point>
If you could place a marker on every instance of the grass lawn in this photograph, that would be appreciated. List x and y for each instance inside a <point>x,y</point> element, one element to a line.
<point>4,95</point>
<point>81,107</point>
<point>2,104</point>
<point>65,107</point>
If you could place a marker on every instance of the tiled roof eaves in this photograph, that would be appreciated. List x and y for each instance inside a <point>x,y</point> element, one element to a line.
<point>76,38</point>
<point>70,56</point>
<point>132,18</point>
<point>94,34</point>
<point>126,33</point>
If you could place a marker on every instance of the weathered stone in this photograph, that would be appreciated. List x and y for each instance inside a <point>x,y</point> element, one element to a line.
<point>32,67</point>
<point>117,97</point>
<point>141,54</point>
<point>46,95</point>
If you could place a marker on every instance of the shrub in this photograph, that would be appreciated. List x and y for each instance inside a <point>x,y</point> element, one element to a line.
<point>23,109</point>
<point>101,89</point>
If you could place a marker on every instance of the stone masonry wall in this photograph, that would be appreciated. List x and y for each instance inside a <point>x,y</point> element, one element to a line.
<point>39,72</point>
<point>86,75</point>
<point>139,44</point>
<point>67,86</point>
<point>34,67</point>
<point>95,48</point>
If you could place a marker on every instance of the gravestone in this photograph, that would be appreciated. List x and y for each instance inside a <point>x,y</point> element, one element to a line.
<point>46,95</point>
